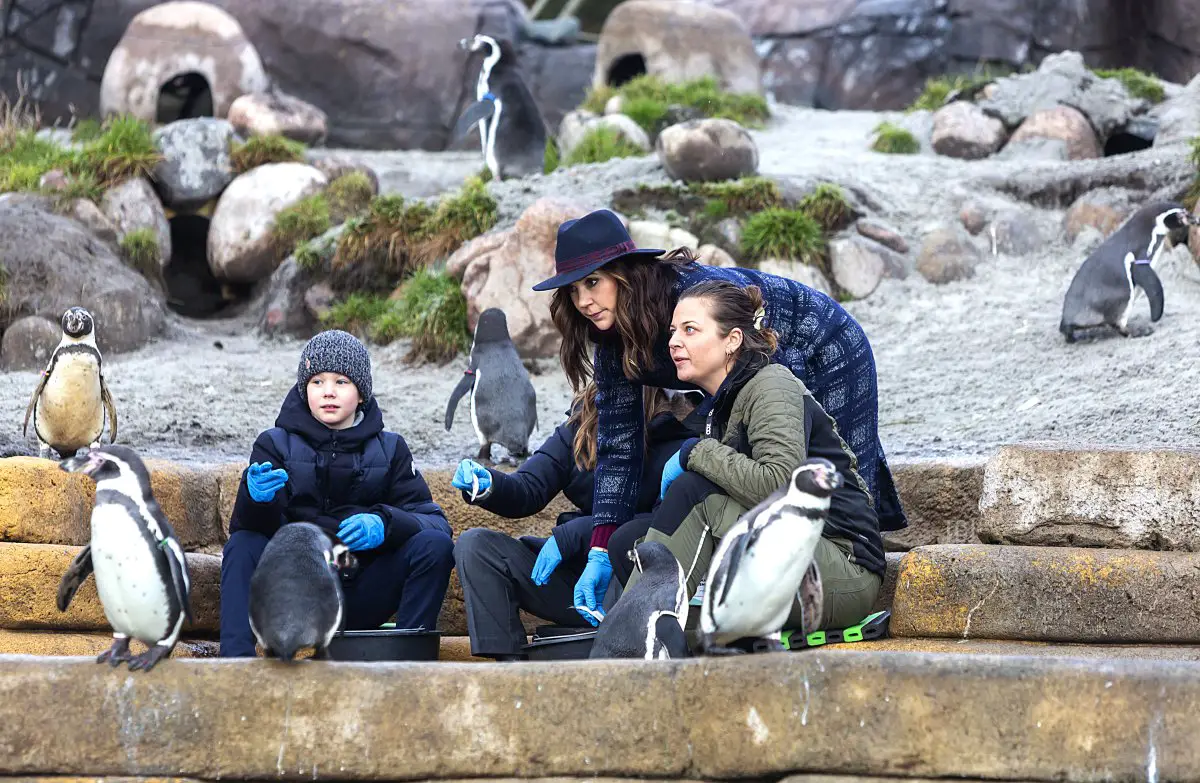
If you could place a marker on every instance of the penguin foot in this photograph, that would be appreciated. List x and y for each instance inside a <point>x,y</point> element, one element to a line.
<point>117,654</point>
<point>146,660</point>
<point>768,644</point>
<point>1135,332</point>
<point>720,649</point>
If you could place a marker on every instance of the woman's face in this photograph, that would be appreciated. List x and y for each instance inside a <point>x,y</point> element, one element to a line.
<point>595,297</point>
<point>702,355</point>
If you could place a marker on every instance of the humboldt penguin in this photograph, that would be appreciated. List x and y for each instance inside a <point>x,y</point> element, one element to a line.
<point>141,574</point>
<point>1103,291</point>
<point>648,620</point>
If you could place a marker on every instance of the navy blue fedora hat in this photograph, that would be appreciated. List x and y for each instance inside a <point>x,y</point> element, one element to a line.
<point>585,244</point>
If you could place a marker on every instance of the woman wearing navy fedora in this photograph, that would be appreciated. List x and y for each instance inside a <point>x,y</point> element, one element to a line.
<point>621,297</point>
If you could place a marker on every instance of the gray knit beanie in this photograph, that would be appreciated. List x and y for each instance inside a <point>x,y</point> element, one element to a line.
<point>336,351</point>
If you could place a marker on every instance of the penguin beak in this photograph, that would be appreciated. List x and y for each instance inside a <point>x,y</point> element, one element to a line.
<point>829,479</point>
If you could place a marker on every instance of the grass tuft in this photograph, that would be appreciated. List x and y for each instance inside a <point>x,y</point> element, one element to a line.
<point>603,144</point>
<point>260,150</point>
<point>647,100</point>
<point>431,309</point>
<point>552,158</point>
<point>784,234</point>
<point>348,195</point>
<point>307,218</point>
<point>828,206</point>
<point>1137,83</point>
<point>894,140</point>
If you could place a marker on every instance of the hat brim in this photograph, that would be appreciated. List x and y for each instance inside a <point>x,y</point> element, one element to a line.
<point>566,278</point>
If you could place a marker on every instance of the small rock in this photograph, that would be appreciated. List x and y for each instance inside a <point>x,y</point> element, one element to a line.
<point>884,235</point>
<point>54,179</point>
<point>650,233</point>
<point>795,270</point>
<point>133,205</point>
<point>947,255</point>
<point>711,255</point>
<point>707,150</point>
<point>28,343</point>
<point>625,126</point>
<point>196,166</point>
<point>334,166</point>
<point>974,216</point>
<point>962,130</point>
<point>572,129</point>
<point>277,113</point>
<point>1104,209</point>
<point>87,213</point>
<point>1016,233</point>
<point>1061,123</point>
<point>856,267</point>
<point>614,105</point>
<point>319,299</point>
<point>677,237</point>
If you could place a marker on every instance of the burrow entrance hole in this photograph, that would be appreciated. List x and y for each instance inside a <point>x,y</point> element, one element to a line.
<point>192,290</point>
<point>1121,143</point>
<point>625,68</point>
<point>184,97</point>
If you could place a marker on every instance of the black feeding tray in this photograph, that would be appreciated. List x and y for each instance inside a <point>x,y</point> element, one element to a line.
<point>559,643</point>
<point>386,644</point>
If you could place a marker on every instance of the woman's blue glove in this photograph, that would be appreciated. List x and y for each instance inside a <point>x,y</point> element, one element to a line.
<point>671,471</point>
<point>593,584</point>
<point>263,483</point>
<point>468,469</point>
<point>547,560</point>
<point>361,531</point>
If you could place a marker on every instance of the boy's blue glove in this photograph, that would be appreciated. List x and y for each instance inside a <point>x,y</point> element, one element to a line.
<point>547,560</point>
<point>361,531</point>
<point>593,584</point>
<point>671,471</point>
<point>263,483</point>
<point>468,469</point>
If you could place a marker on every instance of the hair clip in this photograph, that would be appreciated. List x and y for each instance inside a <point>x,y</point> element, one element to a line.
<point>760,315</point>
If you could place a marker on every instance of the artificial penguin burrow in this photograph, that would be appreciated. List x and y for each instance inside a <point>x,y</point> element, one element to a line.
<point>296,599</point>
<point>71,399</point>
<point>766,561</point>
<point>503,401</point>
<point>512,130</point>
<point>141,574</point>
<point>1103,291</point>
<point>648,620</point>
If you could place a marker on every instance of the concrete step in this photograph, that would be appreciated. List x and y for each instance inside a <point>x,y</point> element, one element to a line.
<point>995,647</point>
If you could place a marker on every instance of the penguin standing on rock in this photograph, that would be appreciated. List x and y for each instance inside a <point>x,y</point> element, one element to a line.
<point>766,561</point>
<point>141,574</point>
<point>648,620</point>
<point>71,400</point>
<point>503,402</point>
<point>1104,289</point>
<point>512,130</point>
<point>296,597</point>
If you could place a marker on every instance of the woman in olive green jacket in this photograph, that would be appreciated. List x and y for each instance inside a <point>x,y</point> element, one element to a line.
<point>760,423</point>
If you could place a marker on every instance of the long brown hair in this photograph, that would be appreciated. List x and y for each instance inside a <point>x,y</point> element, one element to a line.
<point>643,310</point>
<point>583,416</point>
<point>733,307</point>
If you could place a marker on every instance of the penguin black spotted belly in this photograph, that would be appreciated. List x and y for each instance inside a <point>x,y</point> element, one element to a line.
<point>141,574</point>
<point>648,620</point>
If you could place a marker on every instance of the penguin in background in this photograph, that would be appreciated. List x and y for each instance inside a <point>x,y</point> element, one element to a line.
<point>296,599</point>
<point>512,130</point>
<point>648,620</point>
<point>71,400</point>
<point>766,561</point>
<point>141,573</point>
<point>1107,285</point>
<point>503,401</point>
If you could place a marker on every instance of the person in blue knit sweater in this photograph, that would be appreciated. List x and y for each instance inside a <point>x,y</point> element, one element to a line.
<point>620,297</point>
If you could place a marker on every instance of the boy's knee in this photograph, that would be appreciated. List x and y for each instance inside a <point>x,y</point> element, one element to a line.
<point>433,546</point>
<point>244,543</point>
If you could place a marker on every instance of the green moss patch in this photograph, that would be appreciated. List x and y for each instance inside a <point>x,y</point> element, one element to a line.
<point>788,234</point>
<point>348,195</point>
<point>1137,83</point>
<point>260,150</point>
<point>828,206</point>
<point>86,130</point>
<point>552,157</point>
<point>603,144</point>
<point>714,200</point>
<point>141,251</point>
<point>894,140</point>
<point>648,101</point>
<point>307,218</point>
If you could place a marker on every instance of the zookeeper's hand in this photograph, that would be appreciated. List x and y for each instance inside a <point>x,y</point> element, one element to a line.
<point>671,471</point>
<point>361,531</point>
<point>547,560</point>
<point>463,474</point>
<point>263,483</point>
<point>593,583</point>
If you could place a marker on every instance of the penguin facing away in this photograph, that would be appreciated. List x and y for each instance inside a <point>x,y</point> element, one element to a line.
<point>1107,284</point>
<point>141,574</point>
<point>648,620</point>
<point>766,561</point>
<point>71,399</point>
<point>296,599</point>
<point>512,130</point>
<point>503,401</point>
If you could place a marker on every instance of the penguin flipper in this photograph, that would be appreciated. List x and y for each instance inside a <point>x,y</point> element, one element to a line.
<point>464,385</point>
<point>169,543</point>
<point>79,570</point>
<point>1146,278</point>
<point>480,110</point>
<point>671,636</point>
<point>33,400</point>
<point>735,555</point>
<point>110,408</point>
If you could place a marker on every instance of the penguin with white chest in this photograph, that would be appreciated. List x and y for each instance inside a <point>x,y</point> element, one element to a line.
<point>1103,291</point>
<point>512,130</point>
<point>503,401</point>
<point>71,399</point>
<point>296,599</point>
<point>766,561</point>
<point>141,574</point>
<point>648,620</point>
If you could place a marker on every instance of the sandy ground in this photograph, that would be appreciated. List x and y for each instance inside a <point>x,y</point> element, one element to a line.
<point>963,368</point>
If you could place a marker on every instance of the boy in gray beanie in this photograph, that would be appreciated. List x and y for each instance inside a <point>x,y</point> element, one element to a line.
<point>329,461</point>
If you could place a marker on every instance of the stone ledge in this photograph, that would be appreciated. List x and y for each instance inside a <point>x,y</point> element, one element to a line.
<point>1147,652</point>
<point>69,643</point>
<point>1054,594</point>
<point>972,716</point>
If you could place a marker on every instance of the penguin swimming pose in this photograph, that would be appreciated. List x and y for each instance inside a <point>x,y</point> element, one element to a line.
<point>141,574</point>
<point>1104,289</point>
<point>71,400</point>
<point>648,620</point>
<point>512,130</point>
<point>503,402</point>
<point>296,593</point>
<point>766,560</point>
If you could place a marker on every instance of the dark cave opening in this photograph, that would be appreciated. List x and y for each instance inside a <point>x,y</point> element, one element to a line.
<point>625,68</point>
<point>1121,143</point>
<point>192,290</point>
<point>184,97</point>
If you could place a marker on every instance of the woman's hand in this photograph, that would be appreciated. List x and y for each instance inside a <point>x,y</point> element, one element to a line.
<point>593,584</point>
<point>547,560</point>
<point>472,477</point>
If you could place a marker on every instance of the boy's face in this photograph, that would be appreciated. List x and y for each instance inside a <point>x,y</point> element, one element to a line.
<point>333,400</point>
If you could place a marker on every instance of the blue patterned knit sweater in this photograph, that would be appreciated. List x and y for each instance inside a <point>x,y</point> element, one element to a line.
<point>818,341</point>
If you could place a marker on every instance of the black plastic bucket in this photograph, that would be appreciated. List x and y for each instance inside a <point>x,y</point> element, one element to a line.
<point>386,644</point>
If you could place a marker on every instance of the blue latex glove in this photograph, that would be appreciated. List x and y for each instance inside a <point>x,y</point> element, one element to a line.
<point>263,483</point>
<point>593,584</point>
<point>361,531</point>
<point>547,560</point>
<point>671,471</point>
<point>463,473</point>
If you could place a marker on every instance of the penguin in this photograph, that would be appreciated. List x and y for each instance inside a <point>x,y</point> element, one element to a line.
<point>512,130</point>
<point>296,591</point>
<point>503,401</point>
<point>141,574</point>
<point>648,620</point>
<point>71,400</point>
<point>1105,287</point>
<point>766,561</point>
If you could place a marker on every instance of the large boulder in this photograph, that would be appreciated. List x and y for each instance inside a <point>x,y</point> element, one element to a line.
<point>133,205</point>
<point>707,150</point>
<point>1104,209</point>
<point>53,262</point>
<point>1061,124</point>
<point>28,342</point>
<point>277,113</point>
<point>858,265</point>
<point>947,255</point>
<point>196,165</point>
<point>1179,117</point>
